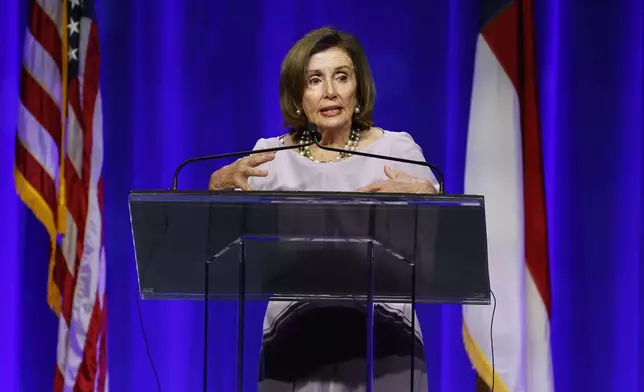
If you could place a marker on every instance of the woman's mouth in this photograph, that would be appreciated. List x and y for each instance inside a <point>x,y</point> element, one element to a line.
<point>330,111</point>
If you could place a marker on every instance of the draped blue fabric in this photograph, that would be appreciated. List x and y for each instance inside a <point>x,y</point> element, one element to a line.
<point>185,78</point>
<point>592,99</point>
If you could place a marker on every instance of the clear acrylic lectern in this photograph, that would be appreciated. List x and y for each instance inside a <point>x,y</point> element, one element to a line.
<point>310,246</point>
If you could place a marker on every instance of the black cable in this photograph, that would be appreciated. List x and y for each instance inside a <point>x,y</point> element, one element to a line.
<point>145,339</point>
<point>205,328</point>
<point>143,268</point>
<point>206,314</point>
<point>492,338</point>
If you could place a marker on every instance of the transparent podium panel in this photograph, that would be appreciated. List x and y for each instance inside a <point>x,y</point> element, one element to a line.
<point>371,258</point>
<point>176,233</point>
<point>288,268</point>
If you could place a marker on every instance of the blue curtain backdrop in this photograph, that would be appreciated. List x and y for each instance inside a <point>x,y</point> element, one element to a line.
<point>185,78</point>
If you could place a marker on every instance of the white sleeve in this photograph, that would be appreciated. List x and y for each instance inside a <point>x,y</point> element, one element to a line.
<point>405,147</point>
<point>260,144</point>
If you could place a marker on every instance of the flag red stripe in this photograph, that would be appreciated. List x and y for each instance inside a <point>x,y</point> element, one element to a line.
<point>45,32</point>
<point>536,228</point>
<point>81,115</point>
<point>76,205</point>
<point>36,175</point>
<point>77,193</point>
<point>59,381</point>
<point>90,89</point>
<point>88,368</point>
<point>102,359</point>
<point>502,35</point>
<point>41,105</point>
<point>61,277</point>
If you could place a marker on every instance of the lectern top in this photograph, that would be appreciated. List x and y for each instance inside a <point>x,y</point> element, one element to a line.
<point>304,196</point>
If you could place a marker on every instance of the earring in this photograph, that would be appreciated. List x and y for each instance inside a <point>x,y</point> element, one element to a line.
<point>298,112</point>
<point>357,110</point>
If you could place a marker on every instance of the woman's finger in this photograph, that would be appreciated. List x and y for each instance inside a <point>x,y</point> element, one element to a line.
<point>369,188</point>
<point>212,182</point>
<point>430,188</point>
<point>243,185</point>
<point>256,160</point>
<point>393,186</point>
<point>389,172</point>
<point>221,179</point>
<point>252,172</point>
<point>389,188</point>
<point>375,187</point>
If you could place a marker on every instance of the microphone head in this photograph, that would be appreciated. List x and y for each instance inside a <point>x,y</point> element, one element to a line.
<point>313,129</point>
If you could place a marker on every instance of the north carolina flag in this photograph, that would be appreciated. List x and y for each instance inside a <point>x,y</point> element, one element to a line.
<point>504,164</point>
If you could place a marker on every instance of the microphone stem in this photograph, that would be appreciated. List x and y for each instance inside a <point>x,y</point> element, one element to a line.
<point>175,179</point>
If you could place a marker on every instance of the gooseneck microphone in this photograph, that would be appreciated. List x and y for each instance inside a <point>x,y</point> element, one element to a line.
<point>175,179</point>
<point>316,137</point>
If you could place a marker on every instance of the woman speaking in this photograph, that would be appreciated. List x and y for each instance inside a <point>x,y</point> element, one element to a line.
<point>326,80</point>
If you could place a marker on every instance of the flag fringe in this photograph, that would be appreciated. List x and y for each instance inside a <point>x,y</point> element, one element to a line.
<point>481,364</point>
<point>34,201</point>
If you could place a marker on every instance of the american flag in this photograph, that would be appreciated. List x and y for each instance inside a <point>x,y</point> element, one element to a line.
<point>59,159</point>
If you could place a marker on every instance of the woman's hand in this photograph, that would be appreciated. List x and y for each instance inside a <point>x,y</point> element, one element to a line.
<point>400,182</point>
<point>236,174</point>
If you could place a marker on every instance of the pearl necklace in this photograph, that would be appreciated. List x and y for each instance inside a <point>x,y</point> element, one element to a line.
<point>352,144</point>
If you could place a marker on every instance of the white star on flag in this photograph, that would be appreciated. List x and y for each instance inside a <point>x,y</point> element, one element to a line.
<point>72,54</point>
<point>73,27</point>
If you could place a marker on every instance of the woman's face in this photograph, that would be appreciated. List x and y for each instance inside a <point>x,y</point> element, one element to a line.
<point>329,98</point>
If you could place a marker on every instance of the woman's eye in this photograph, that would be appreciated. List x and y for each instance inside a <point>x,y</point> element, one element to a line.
<point>342,78</point>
